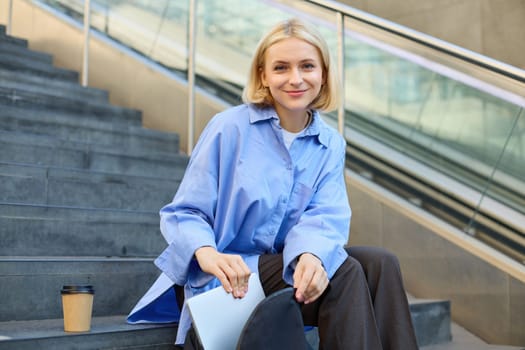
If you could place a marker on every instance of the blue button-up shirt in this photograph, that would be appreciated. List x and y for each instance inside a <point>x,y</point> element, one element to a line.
<point>245,193</point>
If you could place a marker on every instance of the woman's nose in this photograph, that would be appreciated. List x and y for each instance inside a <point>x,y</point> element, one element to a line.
<point>296,77</point>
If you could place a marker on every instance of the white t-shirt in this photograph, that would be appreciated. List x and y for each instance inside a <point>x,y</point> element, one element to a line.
<point>289,137</point>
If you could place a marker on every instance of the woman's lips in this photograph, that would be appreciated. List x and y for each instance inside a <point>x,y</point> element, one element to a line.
<point>296,93</point>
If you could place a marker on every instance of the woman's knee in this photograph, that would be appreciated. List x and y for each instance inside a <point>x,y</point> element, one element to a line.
<point>374,256</point>
<point>351,267</point>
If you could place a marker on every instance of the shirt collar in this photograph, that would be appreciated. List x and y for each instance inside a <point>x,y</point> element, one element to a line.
<point>316,127</point>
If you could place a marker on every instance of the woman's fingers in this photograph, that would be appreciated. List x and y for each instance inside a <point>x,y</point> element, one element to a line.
<point>310,279</point>
<point>302,277</point>
<point>223,278</point>
<point>317,286</point>
<point>243,276</point>
<point>231,270</point>
<point>237,273</point>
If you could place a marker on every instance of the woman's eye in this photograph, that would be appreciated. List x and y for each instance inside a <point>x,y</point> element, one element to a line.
<point>308,66</point>
<point>279,68</point>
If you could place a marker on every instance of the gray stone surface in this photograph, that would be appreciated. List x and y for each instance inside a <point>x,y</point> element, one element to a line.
<point>30,287</point>
<point>13,40</point>
<point>431,319</point>
<point>30,230</point>
<point>20,118</point>
<point>20,97</point>
<point>21,51</point>
<point>464,340</point>
<point>110,332</point>
<point>63,126</point>
<point>59,87</point>
<point>30,184</point>
<point>34,149</point>
<point>13,62</point>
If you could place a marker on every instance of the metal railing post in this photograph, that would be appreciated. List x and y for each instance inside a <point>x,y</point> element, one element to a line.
<point>341,67</point>
<point>192,19</point>
<point>85,58</point>
<point>9,17</point>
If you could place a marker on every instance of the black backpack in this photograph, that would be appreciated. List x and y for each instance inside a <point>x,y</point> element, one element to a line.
<point>275,323</point>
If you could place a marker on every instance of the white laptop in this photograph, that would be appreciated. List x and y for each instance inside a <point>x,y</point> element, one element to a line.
<point>218,318</point>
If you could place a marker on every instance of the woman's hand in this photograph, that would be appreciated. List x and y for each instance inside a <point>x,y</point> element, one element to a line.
<point>231,270</point>
<point>309,279</point>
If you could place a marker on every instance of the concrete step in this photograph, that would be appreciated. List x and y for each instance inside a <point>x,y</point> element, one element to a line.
<point>30,286</point>
<point>28,184</point>
<point>464,340</point>
<point>67,154</point>
<point>46,151</point>
<point>20,118</point>
<point>110,332</point>
<point>33,230</point>
<point>26,117</point>
<point>33,83</point>
<point>32,331</point>
<point>431,319</point>
<point>21,64</point>
<point>22,51</point>
<point>13,40</point>
<point>111,132</point>
<point>20,98</point>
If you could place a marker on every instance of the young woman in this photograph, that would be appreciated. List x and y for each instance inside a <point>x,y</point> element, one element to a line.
<point>264,192</point>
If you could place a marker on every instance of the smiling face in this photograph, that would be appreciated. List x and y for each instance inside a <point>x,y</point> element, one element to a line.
<point>293,72</point>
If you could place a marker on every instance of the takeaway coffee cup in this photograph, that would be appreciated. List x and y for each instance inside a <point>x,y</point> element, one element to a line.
<point>77,305</point>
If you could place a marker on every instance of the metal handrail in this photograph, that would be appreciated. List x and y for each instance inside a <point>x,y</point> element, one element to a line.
<point>427,40</point>
<point>9,17</point>
<point>192,27</point>
<point>85,54</point>
<point>341,66</point>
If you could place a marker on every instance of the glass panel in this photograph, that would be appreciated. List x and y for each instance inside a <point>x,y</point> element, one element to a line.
<point>512,166</point>
<point>156,29</point>
<point>226,39</point>
<point>417,109</point>
<point>73,8</point>
<point>508,181</point>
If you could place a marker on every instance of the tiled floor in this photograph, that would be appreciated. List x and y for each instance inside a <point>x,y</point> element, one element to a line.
<point>463,340</point>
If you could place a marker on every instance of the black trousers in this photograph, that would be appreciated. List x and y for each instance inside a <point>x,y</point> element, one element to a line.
<point>364,306</point>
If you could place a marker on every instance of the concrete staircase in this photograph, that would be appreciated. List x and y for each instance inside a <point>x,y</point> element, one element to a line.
<point>81,183</point>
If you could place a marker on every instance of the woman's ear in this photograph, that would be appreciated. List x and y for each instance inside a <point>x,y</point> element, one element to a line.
<point>262,76</point>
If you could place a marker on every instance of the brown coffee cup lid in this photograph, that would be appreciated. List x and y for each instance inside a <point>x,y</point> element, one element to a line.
<point>75,289</point>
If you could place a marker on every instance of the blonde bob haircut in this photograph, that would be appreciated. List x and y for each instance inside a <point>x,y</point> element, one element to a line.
<point>254,91</point>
